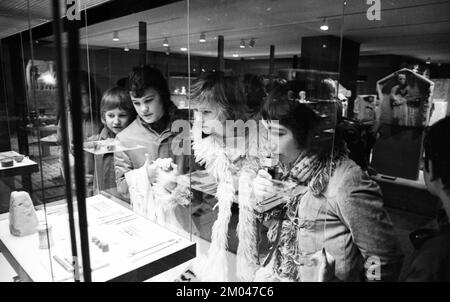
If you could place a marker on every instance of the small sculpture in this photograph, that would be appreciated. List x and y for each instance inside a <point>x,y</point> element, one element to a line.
<point>23,220</point>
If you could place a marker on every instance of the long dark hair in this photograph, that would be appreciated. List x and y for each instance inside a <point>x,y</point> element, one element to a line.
<point>304,123</point>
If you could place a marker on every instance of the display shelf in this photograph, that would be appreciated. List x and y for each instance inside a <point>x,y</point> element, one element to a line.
<point>107,146</point>
<point>26,166</point>
<point>138,249</point>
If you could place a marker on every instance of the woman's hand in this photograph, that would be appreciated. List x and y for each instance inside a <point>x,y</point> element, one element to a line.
<point>304,169</point>
<point>263,186</point>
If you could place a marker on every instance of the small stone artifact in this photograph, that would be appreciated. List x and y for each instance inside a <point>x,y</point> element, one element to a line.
<point>22,216</point>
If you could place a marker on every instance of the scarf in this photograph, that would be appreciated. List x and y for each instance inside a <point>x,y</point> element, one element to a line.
<point>219,163</point>
<point>314,174</point>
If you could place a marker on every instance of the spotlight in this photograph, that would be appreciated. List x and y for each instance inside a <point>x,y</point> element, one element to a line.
<point>251,44</point>
<point>166,42</point>
<point>242,45</point>
<point>116,36</point>
<point>324,25</point>
<point>202,38</point>
<point>428,61</point>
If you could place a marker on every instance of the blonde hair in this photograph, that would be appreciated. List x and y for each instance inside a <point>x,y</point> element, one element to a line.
<point>222,92</point>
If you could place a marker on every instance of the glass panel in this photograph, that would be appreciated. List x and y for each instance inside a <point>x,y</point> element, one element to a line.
<point>39,242</point>
<point>261,71</point>
<point>137,207</point>
<point>401,87</point>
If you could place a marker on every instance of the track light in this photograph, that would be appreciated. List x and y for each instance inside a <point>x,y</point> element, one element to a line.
<point>166,42</point>
<point>324,25</point>
<point>251,44</point>
<point>116,36</point>
<point>242,45</point>
<point>202,38</point>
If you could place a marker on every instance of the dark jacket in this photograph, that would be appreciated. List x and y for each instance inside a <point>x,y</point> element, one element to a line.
<point>431,263</point>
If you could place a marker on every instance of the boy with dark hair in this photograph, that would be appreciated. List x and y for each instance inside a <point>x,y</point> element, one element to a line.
<point>150,97</point>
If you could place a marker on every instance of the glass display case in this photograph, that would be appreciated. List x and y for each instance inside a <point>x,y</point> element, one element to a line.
<point>196,140</point>
<point>127,190</point>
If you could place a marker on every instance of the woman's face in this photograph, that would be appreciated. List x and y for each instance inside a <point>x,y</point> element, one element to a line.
<point>150,106</point>
<point>211,120</point>
<point>286,147</point>
<point>85,99</point>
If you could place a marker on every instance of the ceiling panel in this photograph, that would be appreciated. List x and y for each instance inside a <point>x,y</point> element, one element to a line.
<point>20,15</point>
<point>416,28</point>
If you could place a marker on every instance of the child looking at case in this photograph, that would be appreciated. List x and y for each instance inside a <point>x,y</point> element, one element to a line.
<point>117,112</point>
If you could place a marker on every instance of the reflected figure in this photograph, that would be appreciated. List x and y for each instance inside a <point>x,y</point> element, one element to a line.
<point>432,258</point>
<point>405,102</point>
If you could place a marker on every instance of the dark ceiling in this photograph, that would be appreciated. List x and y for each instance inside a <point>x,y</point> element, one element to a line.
<point>415,28</point>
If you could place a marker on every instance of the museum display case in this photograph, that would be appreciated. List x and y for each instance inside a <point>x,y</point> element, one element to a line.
<point>192,140</point>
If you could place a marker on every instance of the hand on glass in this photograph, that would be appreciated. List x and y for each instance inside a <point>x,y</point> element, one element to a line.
<point>263,186</point>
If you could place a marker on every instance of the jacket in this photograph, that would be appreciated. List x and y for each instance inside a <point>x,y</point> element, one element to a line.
<point>431,263</point>
<point>156,145</point>
<point>349,220</point>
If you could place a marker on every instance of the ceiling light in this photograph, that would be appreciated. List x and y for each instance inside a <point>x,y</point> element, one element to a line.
<point>126,48</point>
<point>116,36</point>
<point>242,45</point>
<point>235,55</point>
<point>251,44</point>
<point>202,38</point>
<point>166,42</point>
<point>168,50</point>
<point>183,48</point>
<point>324,25</point>
<point>439,63</point>
<point>428,61</point>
